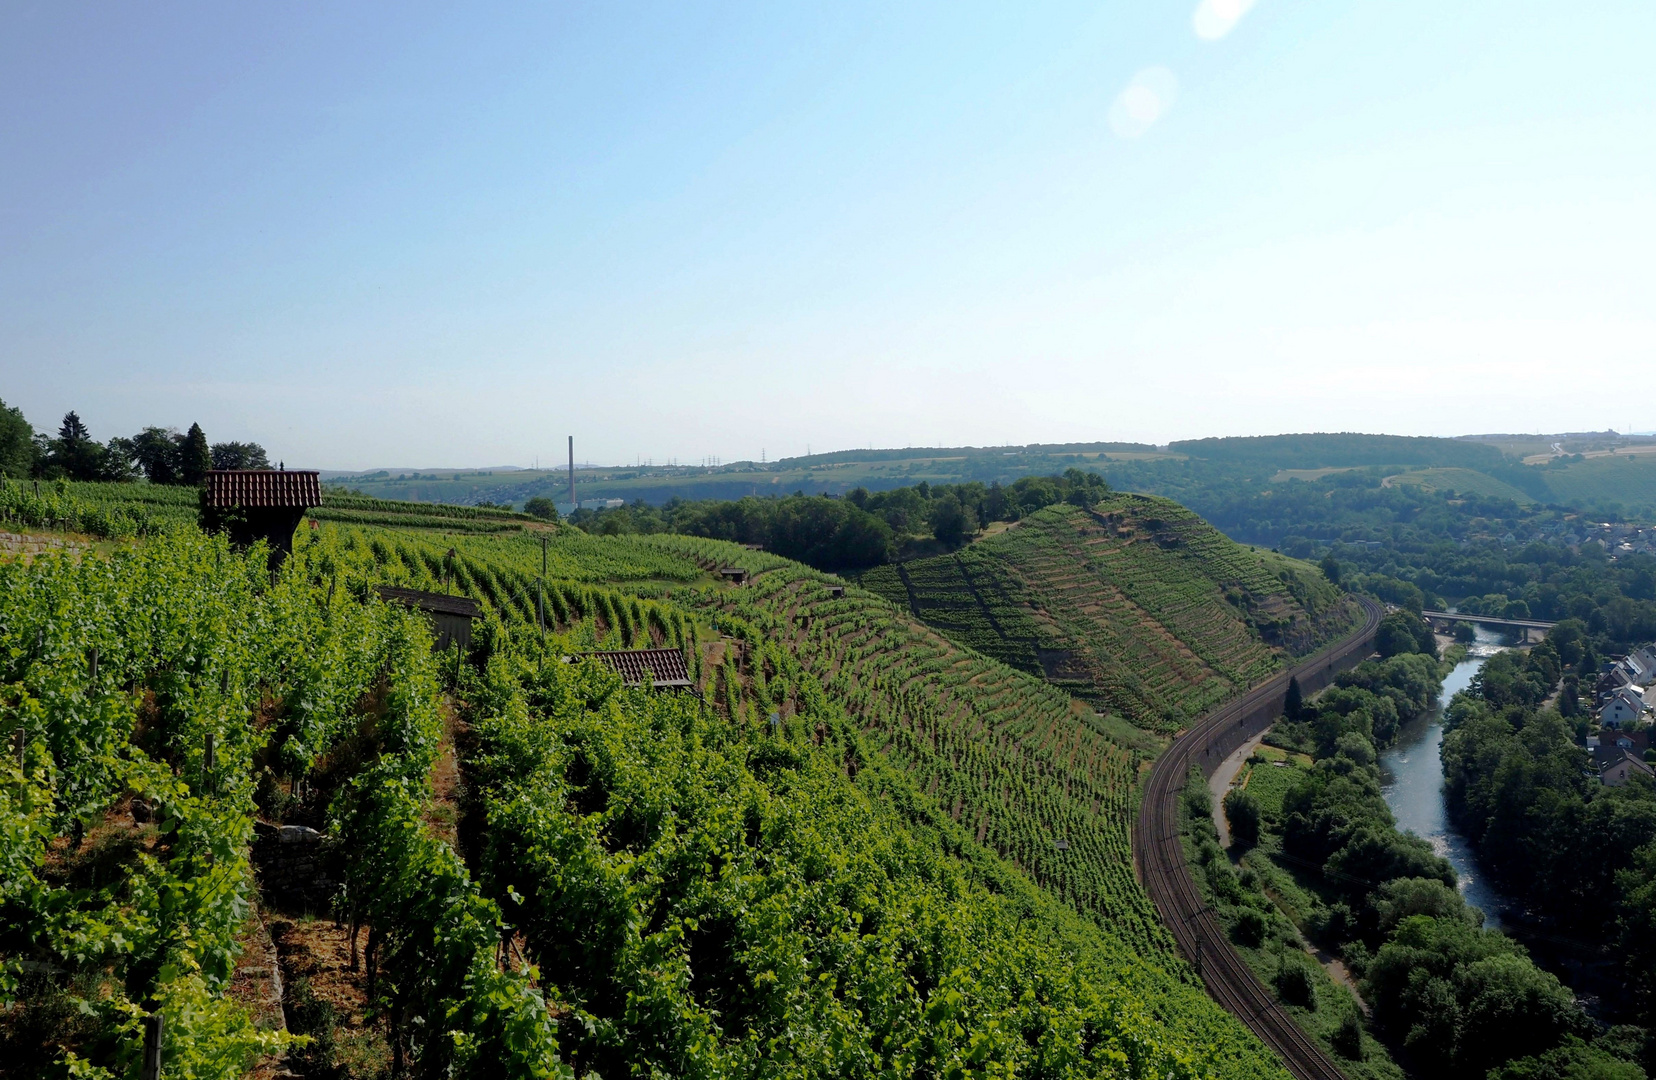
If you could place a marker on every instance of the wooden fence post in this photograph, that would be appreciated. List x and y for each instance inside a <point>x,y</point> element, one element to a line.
<point>151,1069</point>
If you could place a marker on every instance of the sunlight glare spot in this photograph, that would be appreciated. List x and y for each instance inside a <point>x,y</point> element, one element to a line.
<point>1215,18</point>
<point>1145,99</point>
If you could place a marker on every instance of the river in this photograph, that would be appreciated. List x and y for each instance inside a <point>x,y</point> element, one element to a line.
<point>1411,778</point>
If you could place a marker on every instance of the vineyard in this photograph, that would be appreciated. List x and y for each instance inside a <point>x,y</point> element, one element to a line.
<point>842,853</point>
<point>124,511</point>
<point>1138,607</point>
<point>150,701</point>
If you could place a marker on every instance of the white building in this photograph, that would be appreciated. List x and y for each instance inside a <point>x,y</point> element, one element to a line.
<point>1622,710</point>
<point>1641,665</point>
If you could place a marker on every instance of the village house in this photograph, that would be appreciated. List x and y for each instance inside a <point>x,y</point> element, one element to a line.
<point>1622,709</point>
<point>1622,768</point>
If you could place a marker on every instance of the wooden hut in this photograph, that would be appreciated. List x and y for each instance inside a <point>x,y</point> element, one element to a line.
<point>451,616</point>
<point>835,592</point>
<point>664,668</point>
<point>259,504</point>
<point>735,574</point>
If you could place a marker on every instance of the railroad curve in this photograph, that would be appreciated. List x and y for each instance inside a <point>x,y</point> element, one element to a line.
<point>1159,851</point>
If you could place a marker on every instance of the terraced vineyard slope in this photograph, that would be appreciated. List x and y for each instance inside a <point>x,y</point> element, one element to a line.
<point>1138,606</point>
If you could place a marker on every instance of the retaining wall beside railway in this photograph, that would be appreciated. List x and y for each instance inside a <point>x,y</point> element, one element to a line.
<point>1261,714</point>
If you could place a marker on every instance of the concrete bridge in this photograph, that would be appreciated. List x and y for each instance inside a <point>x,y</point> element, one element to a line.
<point>1443,620</point>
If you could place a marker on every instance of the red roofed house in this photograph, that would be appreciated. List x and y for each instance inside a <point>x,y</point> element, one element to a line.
<point>259,504</point>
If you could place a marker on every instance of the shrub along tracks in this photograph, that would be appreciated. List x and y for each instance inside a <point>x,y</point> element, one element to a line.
<point>1159,850</point>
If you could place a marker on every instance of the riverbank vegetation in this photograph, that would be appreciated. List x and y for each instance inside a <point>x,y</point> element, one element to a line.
<point>1581,855</point>
<point>1446,997</point>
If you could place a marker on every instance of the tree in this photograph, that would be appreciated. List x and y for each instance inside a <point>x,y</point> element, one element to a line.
<point>542,507</point>
<point>951,522</point>
<point>195,457</point>
<point>74,454</point>
<point>1293,706</point>
<point>1572,1060</point>
<point>1400,632</point>
<point>17,447</point>
<point>156,450</point>
<point>236,455</point>
<point>1331,568</point>
<point>1463,999</point>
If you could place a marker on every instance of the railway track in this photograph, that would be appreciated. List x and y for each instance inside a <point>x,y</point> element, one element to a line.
<point>1159,851</point>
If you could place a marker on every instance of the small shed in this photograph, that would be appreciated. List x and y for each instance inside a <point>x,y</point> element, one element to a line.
<point>836,591</point>
<point>665,668</point>
<point>451,616</point>
<point>735,574</point>
<point>259,504</point>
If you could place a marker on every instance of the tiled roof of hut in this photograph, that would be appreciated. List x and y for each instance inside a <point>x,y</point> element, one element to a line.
<point>263,488</point>
<point>435,603</point>
<point>665,667</point>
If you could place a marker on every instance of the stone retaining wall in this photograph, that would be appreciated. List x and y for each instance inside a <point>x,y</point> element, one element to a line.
<point>31,544</point>
<point>295,866</point>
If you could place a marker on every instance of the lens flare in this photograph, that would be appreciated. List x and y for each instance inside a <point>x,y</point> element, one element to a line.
<point>1216,18</point>
<point>1144,100</point>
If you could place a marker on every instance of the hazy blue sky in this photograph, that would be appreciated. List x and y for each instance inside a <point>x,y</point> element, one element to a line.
<point>405,234</point>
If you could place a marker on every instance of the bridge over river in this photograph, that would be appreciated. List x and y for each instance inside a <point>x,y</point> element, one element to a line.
<point>1443,620</point>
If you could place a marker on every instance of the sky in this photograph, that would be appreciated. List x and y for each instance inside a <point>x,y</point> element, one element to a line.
<point>418,235</point>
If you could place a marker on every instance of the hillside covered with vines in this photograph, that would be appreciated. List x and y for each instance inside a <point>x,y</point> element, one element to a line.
<point>855,847</point>
<point>1137,606</point>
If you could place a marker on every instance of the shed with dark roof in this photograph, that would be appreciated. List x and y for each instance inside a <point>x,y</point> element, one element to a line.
<point>259,504</point>
<point>665,669</point>
<point>451,616</point>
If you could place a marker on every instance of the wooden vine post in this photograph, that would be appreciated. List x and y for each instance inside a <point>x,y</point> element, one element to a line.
<point>151,1068</point>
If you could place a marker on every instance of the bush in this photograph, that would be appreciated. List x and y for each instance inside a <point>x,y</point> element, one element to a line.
<point>1250,928</point>
<point>1293,980</point>
<point>1348,1037</point>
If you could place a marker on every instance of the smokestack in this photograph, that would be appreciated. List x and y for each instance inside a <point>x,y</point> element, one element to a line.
<point>573,504</point>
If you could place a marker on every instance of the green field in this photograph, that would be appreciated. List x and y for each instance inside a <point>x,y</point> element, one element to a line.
<point>1462,481</point>
<point>1139,606</point>
<point>1627,479</point>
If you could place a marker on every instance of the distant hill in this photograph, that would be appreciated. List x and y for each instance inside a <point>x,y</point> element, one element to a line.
<point>1345,450</point>
<point>1584,471</point>
<point>1138,606</point>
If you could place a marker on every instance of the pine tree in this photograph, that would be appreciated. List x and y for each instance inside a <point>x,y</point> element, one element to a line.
<point>1294,703</point>
<point>195,457</point>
